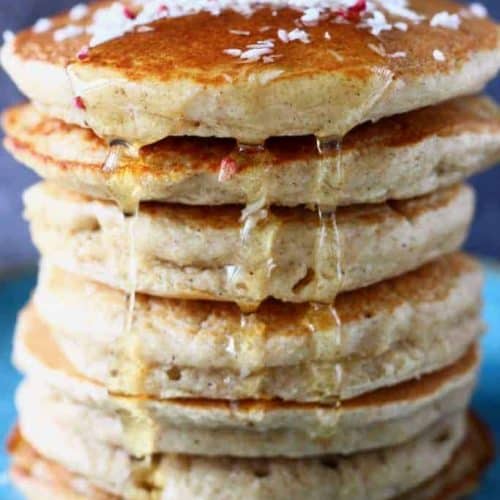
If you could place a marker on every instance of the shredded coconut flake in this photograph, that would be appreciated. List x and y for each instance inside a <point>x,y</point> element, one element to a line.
<point>298,34</point>
<point>233,52</point>
<point>255,53</point>
<point>398,55</point>
<point>78,12</point>
<point>42,25</point>
<point>70,31</point>
<point>438,56</point>
<point>446,20</point>
<point>240,32</point>
<point>8,36</point>
<point>144,29</point>
<point>283,36</point>
<point>478,10</point>
<point>378,49</point>
<point>328,36</point>
<point>377,23</point>
<point>311,16</point>
<point>399,8</point>
<point>377,16</point>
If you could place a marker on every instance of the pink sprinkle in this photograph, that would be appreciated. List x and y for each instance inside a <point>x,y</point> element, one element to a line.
<point>83,53</point>
<point>78,101</point>
<point>359,7</point>
<point>228,169</point>
<point>353,13</point>
<point>162,10</point>
<point>129,13</point>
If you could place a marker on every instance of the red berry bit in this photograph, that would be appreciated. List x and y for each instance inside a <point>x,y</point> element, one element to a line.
<point>162,10</point>
<point>353,13</point>
<point>79,103</point>
<point>83,53</point>
<point>228,169</point>
<point>129,13</point>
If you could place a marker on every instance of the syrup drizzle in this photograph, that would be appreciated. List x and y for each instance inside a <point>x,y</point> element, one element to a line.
<point>121,188</point>
<point>251,273</point>
<point>255,264</point>
<point>328,248</point>
<point>139,430</point>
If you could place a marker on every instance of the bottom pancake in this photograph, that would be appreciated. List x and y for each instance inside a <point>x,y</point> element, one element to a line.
<point>443,464</point>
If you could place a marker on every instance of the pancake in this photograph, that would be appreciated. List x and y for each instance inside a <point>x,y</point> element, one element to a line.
<point>386,473</point>
<point>397,158</point>
<point>252,428</point>
<point>388,333</point>
<point>198,75</point>
<point>38,477</point>
<point>208,253</point>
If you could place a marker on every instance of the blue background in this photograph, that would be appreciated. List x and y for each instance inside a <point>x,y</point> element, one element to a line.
<point>15,247</point>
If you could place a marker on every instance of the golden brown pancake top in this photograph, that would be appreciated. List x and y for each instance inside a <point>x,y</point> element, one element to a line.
<point>193,46</point>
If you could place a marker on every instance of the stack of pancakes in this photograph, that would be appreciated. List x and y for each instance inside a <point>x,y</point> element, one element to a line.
<point>250,221</point>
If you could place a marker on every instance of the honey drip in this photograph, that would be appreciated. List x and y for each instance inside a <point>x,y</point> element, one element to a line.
<point>328,248</point>
<point>249,277</point>
<point>122,189</point>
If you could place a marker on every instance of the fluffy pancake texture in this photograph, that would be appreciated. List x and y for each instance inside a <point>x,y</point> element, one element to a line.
<point>39,477</point>
<point>164,81</point>
<point>378,336</point>
<point>399,157</point>
<point>384,474</point>
<point>209,253</point>
<point>240,428</point>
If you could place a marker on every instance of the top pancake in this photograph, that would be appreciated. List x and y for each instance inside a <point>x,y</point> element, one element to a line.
<point>176,77</point>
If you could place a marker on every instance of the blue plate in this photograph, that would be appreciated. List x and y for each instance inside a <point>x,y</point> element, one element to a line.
<point>14,292</point>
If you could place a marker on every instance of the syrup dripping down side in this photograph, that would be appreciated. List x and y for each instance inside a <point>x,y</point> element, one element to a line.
<point>121,185</point>
<point>121,188</point>
<point>329,249</point>
<point>249,277</point>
